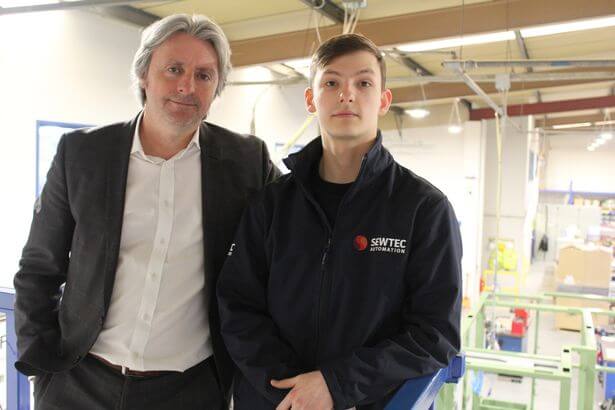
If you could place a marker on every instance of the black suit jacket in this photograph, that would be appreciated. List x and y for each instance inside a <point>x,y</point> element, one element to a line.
<point>75,237</point>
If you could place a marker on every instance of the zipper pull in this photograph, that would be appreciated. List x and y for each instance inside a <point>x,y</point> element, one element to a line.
<point>326,252</point>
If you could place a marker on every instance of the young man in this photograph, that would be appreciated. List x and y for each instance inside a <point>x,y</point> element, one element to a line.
<point>344,279</point>
<point>136,219</point>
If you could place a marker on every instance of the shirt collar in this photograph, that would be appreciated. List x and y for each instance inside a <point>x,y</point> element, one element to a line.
<point>136,140</point>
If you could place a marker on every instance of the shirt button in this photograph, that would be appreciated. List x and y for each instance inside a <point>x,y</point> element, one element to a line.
<point>152,275</point>
<point>162,241</point>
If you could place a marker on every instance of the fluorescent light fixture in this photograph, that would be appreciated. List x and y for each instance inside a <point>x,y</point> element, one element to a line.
<point>598,142</point>
<point>591,148</point>
<point>546,30</point>
<point>21,3</point>
<point>575,125</point>
<point>455,129</point>
<point>551,29</point>
<point>418,112</point>
<point>605,122</point>
<point>453,42</point>
<point>606,136</point>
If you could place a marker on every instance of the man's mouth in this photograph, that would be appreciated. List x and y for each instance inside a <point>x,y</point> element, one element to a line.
<point>344,114</point>
<point>185,104</point>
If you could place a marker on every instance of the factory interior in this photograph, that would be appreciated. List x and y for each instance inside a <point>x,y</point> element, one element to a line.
<point>506,106</point>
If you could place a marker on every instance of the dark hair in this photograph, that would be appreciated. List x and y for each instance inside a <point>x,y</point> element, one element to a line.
<point>345,44</point>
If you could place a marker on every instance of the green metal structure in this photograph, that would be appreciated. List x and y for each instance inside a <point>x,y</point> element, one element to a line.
<point>532,365</point>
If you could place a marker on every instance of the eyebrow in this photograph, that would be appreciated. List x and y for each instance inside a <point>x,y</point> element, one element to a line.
<point>181,63</point>
<point>362,71</point>
<point>199,68</point>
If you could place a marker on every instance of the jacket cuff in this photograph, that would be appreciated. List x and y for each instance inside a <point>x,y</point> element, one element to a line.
<point>335,389</point>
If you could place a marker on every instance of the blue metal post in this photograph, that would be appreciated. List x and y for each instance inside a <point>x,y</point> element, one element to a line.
<point>420,393</point>
<point>18,386</point>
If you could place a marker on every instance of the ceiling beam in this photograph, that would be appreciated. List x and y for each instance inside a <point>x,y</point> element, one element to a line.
<point>525,54</point>
<point>412,64</point>
<point>573,119</point>
<point>130,15</point>
<point>327,8</point>
<point>389,31</point>
<point>547,107</point>
<point>438,91</point>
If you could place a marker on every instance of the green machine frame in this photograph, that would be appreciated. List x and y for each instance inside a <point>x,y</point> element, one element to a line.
<point>532,365</point>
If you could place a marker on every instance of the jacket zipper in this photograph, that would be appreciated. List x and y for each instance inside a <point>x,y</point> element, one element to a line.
<point>321,296</point>
<point>324,278</point>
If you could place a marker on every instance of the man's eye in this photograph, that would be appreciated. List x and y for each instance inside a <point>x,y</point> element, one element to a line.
<point>330,83</point>
<point>365,84</point>
<point>173,70</point>
<point>204,76</point>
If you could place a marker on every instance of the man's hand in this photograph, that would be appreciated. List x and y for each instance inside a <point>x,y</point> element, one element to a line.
<point>308,391</point>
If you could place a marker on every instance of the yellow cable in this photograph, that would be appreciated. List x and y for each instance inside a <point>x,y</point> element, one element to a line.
<point>291,141</point>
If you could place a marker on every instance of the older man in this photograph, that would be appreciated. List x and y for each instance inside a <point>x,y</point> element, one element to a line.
<point>135,220</point>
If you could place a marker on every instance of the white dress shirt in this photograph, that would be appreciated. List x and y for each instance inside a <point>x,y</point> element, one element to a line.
<point>158,315</point>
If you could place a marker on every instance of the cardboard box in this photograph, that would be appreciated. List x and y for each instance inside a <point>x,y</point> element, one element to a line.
<point>584,265</point>
<point>573,322</point>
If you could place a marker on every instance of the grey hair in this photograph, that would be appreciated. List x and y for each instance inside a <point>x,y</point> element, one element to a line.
<point>157,33</point>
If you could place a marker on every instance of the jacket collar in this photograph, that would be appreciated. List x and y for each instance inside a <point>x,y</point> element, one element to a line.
<point>374,162</point>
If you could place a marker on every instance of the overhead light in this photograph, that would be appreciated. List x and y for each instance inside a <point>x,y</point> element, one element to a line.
<point>458,41</point>
<point>418,112</point>
<point>605,122</point>
<point>545,30</point>
<point>606,132</point>
<point>591,148</point>
<point>559,28</point>
<point>454,119</point>
<point>455,129</point>
<point>598,142</point>
<point>575,125</point>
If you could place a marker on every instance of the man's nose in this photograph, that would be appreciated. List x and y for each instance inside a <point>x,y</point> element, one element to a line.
<point>186,84</point>
<point>346,94</point>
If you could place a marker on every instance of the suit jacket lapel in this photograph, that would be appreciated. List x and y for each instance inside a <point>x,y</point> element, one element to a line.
<point>211,170</point>
<point>118,154</point>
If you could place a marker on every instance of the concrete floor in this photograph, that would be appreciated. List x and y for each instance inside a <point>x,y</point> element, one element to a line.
<point>550,342</point>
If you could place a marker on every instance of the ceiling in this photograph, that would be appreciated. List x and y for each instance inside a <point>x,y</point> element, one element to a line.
<point>271,25</point>
<point>271,32</point>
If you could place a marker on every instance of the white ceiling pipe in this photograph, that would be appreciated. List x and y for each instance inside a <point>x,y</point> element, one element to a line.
<point>474,64</point>
<point>66,6</point>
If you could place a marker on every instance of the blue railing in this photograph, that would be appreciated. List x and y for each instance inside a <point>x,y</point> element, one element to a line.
<point>420,393</point>
<point>17,385</point>
<point>416,394</point>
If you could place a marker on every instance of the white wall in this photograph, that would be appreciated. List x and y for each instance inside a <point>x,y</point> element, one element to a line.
<point>57,66</point>
<point>454,163</point>
<point>519,192</point>
<point>588,171</point>
<point>279,110</point>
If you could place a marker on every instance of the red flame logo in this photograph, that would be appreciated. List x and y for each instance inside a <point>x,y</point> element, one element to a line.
<point>360,242</point>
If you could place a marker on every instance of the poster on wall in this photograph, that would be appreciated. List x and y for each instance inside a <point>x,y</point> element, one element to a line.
<point>48,134</point>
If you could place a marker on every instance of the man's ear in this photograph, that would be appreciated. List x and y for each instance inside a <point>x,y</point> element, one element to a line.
<point>308,94</point>
<point>143,82</point>
<point>386,98</point>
